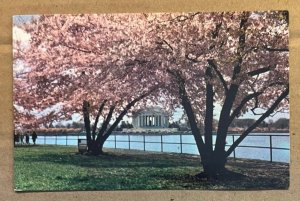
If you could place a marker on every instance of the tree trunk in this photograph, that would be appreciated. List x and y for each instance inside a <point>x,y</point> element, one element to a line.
<point>213,165</point>
<point>87,122</point>
<point>95,148</point>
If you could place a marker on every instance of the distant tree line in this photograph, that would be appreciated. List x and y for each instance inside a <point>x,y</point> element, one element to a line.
<point>282,123</point>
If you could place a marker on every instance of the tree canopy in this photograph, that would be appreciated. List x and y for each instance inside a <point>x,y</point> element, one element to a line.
<point>72,58</point>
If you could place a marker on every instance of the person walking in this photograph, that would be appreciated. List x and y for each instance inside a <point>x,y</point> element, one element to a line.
<point>21,137</point>
<point>16,137</point>
<point>34,136</point>
<point>27,138</point>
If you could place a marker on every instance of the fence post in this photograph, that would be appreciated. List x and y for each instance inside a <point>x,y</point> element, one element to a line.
<point>161,142</point>
<point>181,143</point>
<point>129,141</point>
<point>234,149</point>
<point>144,141</point>
<point>56,139</point>
<point>115,140</point>
<point>66,140</point>
<point>271,154</point>
<point>44,139</point>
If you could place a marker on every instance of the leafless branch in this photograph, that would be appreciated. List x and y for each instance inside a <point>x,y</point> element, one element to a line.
<point>213,64</point>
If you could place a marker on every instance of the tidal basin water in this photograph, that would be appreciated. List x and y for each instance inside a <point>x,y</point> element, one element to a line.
<point>254,146</point>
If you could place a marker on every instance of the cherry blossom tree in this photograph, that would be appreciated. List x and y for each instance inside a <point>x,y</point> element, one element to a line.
<point>91,64</point>
<point>238,60</point>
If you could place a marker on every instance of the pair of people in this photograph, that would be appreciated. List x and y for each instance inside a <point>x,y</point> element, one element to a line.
<point>18,137</point>
<point>33,136</point>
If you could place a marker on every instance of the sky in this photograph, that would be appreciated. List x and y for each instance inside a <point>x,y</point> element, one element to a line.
<point>21,19</point>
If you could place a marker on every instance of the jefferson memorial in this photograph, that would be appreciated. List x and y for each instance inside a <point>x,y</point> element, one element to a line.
<point>150,118</point>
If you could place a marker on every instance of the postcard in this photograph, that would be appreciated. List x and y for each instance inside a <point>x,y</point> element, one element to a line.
<point>151,101</point>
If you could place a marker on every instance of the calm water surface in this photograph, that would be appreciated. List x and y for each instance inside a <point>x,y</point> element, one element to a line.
<point>186,144</point>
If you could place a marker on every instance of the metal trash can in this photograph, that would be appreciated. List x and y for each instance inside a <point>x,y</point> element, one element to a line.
<point>82,145</point>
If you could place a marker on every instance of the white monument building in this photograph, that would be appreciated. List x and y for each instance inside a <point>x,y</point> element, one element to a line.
<point>151,117</point>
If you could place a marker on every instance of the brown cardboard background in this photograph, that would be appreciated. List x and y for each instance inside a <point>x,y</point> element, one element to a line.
<point>8,8</point>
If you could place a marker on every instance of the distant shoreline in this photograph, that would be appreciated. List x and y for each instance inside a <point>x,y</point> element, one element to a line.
<point>157,133</point>
<point>275,131</point>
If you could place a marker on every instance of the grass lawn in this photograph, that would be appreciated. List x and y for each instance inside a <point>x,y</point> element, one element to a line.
<point>55,168</point>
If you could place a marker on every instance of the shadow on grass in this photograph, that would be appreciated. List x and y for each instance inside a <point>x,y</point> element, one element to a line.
<point>111,160</point>
<point>171,181</point>
<point>137,170</point>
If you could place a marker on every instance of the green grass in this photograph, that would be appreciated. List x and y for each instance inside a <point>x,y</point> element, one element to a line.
<point>55,168</point>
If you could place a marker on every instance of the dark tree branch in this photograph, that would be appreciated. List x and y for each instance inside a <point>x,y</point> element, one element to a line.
<point>105,123</point>
<point>133,62</point>
<point>213,64</point>
<point>282,96</point>
<point>271,115</point>
<point>86,118</point>
<point>256,99</point>
<point>124,112</point>
<point>287,99</point>
<point>161,46</point>
<point>97,119</point>
<point>188,109</point>
<point>168,44</point>
<point>141,61</point>
<point>241,45</point>
<point>208,121</point>
<point>254,113</point>
<point>255,105</point>
<point>182,18</point>
<point>216,31</point>
<point>172,73</point>
<point>259,71</point>
<point>238,109</point>
<point>215,34</point>
<point>255,95</point>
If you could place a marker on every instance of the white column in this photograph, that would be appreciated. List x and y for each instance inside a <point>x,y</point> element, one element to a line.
<point>147,119</point>
<point>167,121</point>
<point>159,121</point>
<point>133,122</point>
<point>152,121</point>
